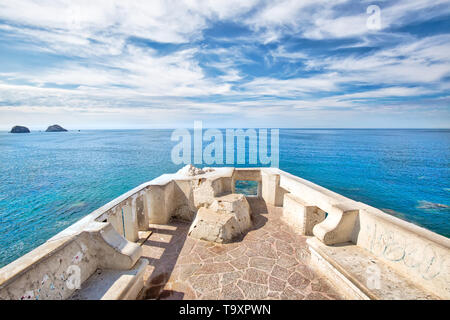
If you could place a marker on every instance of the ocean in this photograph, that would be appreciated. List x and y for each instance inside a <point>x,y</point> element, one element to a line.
<point>50,180</point>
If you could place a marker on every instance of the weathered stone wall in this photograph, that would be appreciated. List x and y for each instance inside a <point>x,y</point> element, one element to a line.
<point>419,254</point>
<point>272,192</point>
<point>301,215</point>
<point>54,270</point>
<point>414,252</point>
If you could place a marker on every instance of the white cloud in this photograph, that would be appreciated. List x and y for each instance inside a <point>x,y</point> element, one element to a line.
<point>327,20</point>
<point>106,73</point>
<point>158,20</point>
<point>290,87</point>
<point>421,61</point>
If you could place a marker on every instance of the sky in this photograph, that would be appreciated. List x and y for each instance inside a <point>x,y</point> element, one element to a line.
<point>104,64</point>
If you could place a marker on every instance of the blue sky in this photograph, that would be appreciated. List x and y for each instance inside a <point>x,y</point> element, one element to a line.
<point>257,63</point>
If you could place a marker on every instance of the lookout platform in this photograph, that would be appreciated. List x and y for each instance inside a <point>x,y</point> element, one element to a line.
<point>303,242</point>
<point>270,262</point>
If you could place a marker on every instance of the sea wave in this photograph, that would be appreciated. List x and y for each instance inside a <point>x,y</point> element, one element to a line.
<point>431,205</point>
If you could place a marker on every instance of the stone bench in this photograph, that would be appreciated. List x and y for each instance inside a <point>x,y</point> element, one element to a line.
<point>300,215</point>
<point>66,267</point>
<point>110,284</point>
<point>376,241</point>
<point>360,275</point>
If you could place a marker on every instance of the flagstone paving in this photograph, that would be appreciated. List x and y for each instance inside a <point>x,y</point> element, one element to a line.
<point>269,262</point>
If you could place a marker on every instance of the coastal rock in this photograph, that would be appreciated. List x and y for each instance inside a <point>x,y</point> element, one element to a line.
<point>20,129</point>
<point>227,218</point>
<point>55,128</point>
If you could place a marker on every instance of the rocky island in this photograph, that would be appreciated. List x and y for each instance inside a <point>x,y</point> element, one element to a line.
<point>55,128</point>
<point>20,129</point>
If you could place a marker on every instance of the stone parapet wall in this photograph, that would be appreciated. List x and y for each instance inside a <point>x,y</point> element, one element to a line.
<point>417,253</point>
<point>57,268</point>
<point>414,252</point>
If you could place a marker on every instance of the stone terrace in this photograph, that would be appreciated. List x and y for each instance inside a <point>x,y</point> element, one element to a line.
<point>353,244</point>
<point>270,262</point>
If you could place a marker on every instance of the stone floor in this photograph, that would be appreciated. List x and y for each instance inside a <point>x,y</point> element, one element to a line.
<point>270,262</point>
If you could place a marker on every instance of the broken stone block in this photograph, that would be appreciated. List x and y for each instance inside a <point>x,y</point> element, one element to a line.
<point>236,204</point>
<point>204,190</point>
<point>190,170</point>
<point>226,218</point>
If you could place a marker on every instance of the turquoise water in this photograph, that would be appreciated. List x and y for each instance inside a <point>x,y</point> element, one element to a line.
<point>249,188</point>
<point>50,180</point>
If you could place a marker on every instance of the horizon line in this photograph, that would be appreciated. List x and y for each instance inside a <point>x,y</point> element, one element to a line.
<point>284,128</point>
